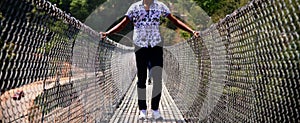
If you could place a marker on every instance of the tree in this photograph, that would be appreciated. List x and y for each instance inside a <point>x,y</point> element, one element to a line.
<point>62,4</point>
<point>80,9</point>
<point>218,9</point>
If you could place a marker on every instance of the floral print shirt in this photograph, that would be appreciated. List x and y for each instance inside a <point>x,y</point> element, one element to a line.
<point>146,23</point>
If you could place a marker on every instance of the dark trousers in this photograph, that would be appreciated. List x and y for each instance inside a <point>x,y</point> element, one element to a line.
<point>155,57</point>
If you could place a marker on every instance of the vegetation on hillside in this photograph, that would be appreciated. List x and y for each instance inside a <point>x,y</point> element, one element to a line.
<point>80,9</point>
<point>217,9</point>
<point>102,15</point>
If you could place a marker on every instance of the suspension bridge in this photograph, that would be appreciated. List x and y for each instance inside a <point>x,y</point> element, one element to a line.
<point>245,68</point>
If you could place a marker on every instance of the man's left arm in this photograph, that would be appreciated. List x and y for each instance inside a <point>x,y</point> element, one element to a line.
<point>182,25</point>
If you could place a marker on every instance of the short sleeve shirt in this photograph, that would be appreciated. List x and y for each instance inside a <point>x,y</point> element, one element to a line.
<point>146,23</point>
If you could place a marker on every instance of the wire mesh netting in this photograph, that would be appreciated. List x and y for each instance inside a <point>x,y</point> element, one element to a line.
<point>56,69</point>
<point>243,69</point>
<point>248,66</point>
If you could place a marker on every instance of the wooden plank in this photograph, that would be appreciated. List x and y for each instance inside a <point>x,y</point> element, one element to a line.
<point>173,108</point>
<point>174,118</point>
<point>169,116</point>
<point>132,110</point>
<point>149,97</point>
<point>123,105</point>
<point>135,118</point>
<point>164,108</point>
<point>131,105</point>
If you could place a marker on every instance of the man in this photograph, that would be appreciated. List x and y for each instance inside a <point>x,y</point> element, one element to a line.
<point>145,16</point>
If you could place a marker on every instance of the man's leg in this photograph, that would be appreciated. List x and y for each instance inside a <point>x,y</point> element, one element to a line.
<point>141,62</point>
<point>156,59</point>
<point>149,72</point>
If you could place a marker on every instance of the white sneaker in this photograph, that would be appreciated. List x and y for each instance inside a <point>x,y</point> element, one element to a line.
<point>156,115</point>
<point>143,114</point>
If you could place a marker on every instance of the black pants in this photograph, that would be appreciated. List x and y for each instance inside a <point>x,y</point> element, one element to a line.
<point>155,57</point>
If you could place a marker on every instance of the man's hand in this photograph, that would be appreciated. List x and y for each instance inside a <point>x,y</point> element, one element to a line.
<point>103,35</point>
<point>196,34</point>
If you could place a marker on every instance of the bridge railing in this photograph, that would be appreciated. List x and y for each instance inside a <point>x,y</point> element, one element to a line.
<point>56,69</point>
<point>243,69</point>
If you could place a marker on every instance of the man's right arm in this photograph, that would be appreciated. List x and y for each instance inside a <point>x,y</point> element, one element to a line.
<point>116,28</point>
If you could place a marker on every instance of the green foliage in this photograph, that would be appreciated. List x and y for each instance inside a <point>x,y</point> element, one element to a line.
<point>185,34</point>
<point>9,49</point>
<point>80,9</point>
<point>59,27</point>
<point>62,4</point>
<point>1,16</point>
<point>218,9</point>
<point>56,35</point>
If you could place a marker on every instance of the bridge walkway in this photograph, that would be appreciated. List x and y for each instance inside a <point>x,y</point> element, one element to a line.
<point>128,111</point>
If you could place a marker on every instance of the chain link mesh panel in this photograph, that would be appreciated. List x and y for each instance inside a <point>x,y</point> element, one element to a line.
<point>248,66</point>
<point>56,69</point>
